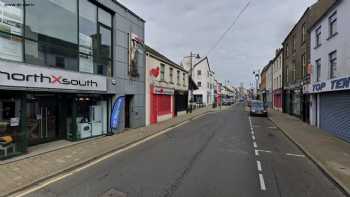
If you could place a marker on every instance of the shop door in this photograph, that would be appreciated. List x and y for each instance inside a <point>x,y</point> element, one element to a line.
<point>42,118</point>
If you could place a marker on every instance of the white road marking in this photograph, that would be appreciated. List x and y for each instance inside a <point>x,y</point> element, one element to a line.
<point>256,152</point>
<point>255,145</point>
<point>265,151</point>
<point>262,182</point>
<point>272,127</point>
<point>56,179</point>
<point>258,163</point>
<point>253,137</point>
<point>294,155</point>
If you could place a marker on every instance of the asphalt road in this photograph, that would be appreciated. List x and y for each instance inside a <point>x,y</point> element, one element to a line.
<point>212,156</point>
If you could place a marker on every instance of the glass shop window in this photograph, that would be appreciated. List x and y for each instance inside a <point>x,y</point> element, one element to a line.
<point>9,125</point>
<point>91,118</point>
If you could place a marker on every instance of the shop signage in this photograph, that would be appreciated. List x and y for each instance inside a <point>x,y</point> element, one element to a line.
<point>331,85</point>
<point>165,91</point>
<point>19,75</point>
<point>116,111</point>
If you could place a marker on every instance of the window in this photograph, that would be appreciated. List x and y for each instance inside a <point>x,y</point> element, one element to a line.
<point>178,78</point>
<point>333,64</point>
<point>184,79</point>
<point>318,37</point>
<point>287,49</point>
<point>332,24</point>
<point>294,44</point>
<point>52,40</point>
<point>208,85</point>
<point>303,63</point>
<point>11,30</point>
<point>199,84</point>
<point>294,72</point>
<point>199,72</point>
<point>171,75</point>
<point>95,38</point>
<point>303,33</point>
<point>162,72</point>
<point>318,69</point>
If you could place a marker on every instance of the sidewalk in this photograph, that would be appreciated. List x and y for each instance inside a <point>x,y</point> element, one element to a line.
<point>19,174</point>
<point>331,154</point>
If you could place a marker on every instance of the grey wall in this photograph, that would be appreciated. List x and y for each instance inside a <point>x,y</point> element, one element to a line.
<point>125,23</point>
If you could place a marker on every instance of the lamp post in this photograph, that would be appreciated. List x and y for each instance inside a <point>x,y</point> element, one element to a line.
<point>197,56</point>
<point>256,77</point>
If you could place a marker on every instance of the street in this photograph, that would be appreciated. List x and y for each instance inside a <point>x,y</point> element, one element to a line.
<point>219,154</point>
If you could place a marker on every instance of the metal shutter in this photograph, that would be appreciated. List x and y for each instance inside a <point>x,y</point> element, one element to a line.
<point>335,113</point>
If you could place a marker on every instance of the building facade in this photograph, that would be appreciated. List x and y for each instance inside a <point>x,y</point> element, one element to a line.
<point>203,76</point>
<point>59,79</point>
<point>166,88</point>
<point>269,85</point>
<point>277,90</point>
<point>262,86</point>
<point>296,59</point>
<point>330,59</point>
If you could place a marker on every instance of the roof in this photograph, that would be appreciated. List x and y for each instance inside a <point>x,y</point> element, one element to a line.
<point>163,58</point>
<point>200,61</point>
<point>334,4</point>
<point>131,12</point>
<point>292,30</point>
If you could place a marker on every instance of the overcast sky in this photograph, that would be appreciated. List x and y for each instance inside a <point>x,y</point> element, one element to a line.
<point>177,27</point>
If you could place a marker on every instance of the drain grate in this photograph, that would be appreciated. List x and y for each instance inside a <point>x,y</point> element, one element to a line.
<point>114,193</point>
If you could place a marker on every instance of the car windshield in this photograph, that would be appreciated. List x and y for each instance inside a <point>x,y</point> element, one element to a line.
<point>258,105</point>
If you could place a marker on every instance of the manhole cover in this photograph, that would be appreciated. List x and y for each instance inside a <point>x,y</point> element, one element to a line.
<point>114,193</point>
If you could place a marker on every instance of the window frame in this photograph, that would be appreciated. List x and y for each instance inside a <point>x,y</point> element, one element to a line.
<point>171,75</point>
<point>162,72</point>
<point>318,36</point>
<point>318,67</point>
<point>332,64</point>
<point>332,23</point>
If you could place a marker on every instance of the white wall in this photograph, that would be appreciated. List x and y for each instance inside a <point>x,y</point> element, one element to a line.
<point>203,78</point>
<point>340,43</point>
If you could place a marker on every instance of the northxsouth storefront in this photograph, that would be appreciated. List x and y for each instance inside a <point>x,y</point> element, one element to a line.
<point>39,104</point>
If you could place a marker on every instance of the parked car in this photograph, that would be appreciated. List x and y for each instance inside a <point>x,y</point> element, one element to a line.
<point>257,108</point>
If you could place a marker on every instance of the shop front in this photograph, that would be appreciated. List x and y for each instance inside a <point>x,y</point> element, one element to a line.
<point>162,100</point>
<point>39,105</point>
<point>277,100</point>
<point>330,106</point>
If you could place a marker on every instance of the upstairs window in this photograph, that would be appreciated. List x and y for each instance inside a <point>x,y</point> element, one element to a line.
<point>318,37</point>
<point>303,33</point>
<point>162,72</point>
<point>184,79</point>
<point>178,78</point>
<point>332,20</point>
<point>171,75</point>
<point>318,70</point>
<point>199,84</point>
<point>11,30</point>
<point>333,64</point>
<point>199,72</point>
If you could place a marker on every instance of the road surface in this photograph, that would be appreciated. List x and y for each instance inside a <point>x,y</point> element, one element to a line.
<point>224,154</point>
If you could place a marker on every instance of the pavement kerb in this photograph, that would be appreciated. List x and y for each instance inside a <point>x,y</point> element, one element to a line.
<point>317,162</point>
<point>87,161</point>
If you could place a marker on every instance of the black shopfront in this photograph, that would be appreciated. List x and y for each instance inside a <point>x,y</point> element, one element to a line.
<point>31,118</point>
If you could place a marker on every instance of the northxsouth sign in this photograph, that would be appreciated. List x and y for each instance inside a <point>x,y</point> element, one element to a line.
<point>40,77</point>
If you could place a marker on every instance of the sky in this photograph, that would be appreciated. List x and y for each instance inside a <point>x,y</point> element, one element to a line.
<point>177,27</point>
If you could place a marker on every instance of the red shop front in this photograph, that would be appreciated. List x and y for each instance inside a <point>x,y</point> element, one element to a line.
<point>162,104</point>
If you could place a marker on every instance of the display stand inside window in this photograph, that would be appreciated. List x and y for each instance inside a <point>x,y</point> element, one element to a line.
<point>91,119</point>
